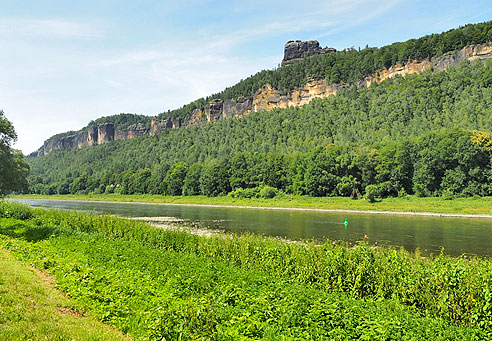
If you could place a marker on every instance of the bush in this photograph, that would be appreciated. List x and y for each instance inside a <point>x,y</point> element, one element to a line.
<point>268,192</point>
<point>447,194</point>
<point>245,193</point>
<point>109,189</point>
<point>386,189</point>
<point>346,186</point>
<point>402,193</point>
<point>372,193</point>
<point>100,190</point>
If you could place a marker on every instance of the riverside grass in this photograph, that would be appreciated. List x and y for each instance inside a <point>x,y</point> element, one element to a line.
<point>30,309</point>
<point>467,206</point>
<point>154,284</point>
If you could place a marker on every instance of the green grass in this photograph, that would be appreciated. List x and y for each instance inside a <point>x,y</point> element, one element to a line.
<point>31,309</point>
<point>474,206</point>
<point>155,284</point>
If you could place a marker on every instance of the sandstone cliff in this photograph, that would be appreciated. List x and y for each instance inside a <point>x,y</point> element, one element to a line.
<point>265,99</point>
<point>91,136</point>
<point>297,50</point>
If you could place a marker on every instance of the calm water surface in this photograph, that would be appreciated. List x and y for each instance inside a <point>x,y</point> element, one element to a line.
<point>456,236</point>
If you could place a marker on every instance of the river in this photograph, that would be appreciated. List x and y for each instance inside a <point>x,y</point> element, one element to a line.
<point>430,234</point>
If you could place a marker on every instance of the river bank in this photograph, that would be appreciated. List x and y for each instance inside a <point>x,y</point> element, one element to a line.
<point>153,283</point>
<point>459,207</point>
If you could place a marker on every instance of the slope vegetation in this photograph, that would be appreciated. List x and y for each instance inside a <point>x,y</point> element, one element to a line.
<point>425,134</point>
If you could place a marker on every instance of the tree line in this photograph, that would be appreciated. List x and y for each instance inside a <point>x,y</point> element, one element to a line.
<point>448,163</point>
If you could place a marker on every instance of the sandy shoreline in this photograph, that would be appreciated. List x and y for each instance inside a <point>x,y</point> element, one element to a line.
<point>427,214</point>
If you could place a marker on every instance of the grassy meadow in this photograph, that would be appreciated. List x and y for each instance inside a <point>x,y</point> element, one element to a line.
<point>155,284</point>
<point>472,205</point>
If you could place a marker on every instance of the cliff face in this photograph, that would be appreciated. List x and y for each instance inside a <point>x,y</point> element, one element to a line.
<point>297,50</point>
<point>266,98</point>
<point>133,131</point>
<point>92,136</point>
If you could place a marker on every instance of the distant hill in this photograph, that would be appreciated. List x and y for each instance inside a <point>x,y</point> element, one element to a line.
<point>407,126</point>
<point>309,72</point>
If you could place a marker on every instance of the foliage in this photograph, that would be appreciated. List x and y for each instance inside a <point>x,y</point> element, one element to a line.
<point>482,139</point>
<point>151,282</point>
<point>12,209</point>
<point>13,168</point>
<point>245,193</point>
<point>191,184</point>
<point>31,309</point>
<point>175,178</point>
<point>267,192</point>
<point>372,193</point>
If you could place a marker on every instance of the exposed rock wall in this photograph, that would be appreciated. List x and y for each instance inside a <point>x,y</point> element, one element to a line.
<point>297,50</point>
<point>133,131</point>
<point>92,136</point>
<point>105,133</point>
<point>266,98</point>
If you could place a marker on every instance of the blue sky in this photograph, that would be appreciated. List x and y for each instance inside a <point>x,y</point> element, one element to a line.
<point>64,63</point>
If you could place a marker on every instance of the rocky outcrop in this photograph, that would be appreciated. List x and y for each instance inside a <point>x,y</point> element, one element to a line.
<point>91,136</point>
<point>237,108</point>
<point>133,131</point>
<point>158,125</point>
<point>297,50</point>
<point>265,99</point>
<point>105,133</point>
<point>268,98</point>
<point>470,53</point>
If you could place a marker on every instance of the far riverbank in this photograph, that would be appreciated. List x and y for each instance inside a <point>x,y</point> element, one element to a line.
<point>459,207</point>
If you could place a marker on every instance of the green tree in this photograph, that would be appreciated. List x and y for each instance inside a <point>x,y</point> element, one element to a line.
<point>175,178</point>
<point>191,185</point>
<point>214,180</point>
<point>13,169</point>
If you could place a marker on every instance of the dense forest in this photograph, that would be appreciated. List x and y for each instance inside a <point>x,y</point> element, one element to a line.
<point>426,134</point>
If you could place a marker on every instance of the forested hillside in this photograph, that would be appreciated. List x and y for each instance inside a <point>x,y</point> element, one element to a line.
<point>293,85</point>
<point>350,65</point>
<point>426,134</point>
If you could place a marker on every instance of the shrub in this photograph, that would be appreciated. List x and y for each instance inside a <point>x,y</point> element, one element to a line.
<point>245,193</point>
<point>447,194</point>
<point>268,192</point>
<point>109,189</point>
<point>346,186</point>
<point>402,193</point>
<point>372,193</point>
<point>386,189</point>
